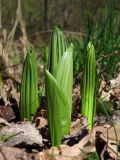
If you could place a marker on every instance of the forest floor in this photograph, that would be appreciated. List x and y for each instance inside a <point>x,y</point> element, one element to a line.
<point>24,140</point>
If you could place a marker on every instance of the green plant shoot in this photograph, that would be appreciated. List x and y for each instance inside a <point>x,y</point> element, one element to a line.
<point>59,96</point>
<point>89,86</point>
<point>59,80</point>
<point>58,47</point>
<point>29,88</point>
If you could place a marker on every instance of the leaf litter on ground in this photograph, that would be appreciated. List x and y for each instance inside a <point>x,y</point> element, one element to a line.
<point>81,148</point>
<point>16,134</point>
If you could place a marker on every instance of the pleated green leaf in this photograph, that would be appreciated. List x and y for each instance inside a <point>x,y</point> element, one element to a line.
<point>29,89</point>
<point>59,96</point>
<point>57,106</point>
<point>58,47</point>
<point>89,86</point>
<point>64,76</point>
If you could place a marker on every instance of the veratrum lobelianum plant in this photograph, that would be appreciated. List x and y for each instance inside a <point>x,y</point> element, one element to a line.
<point>59,81</point>
<point>89,86</point>
<point>29,87</point>
<point>58,47</point>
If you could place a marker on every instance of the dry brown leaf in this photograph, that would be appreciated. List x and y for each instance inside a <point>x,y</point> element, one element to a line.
<point>115,85</point>
<point>14,72</point>
<point>90,137</point>
<point>78,125</point>
<point>76,93</point>
<point>111,136</point>
<point>102,85</point>
<point>114,89</point>
<point>108,134</point>
<point>7,112</point>
<point>42,122</point>
<point>1,157</point>
<point>15,94</point>
<point>75,126</point>
<point>68,151</point>
<point>3,123</point>
<point>74,152</point>
<point>43,156</point>
<point>86,145</point>
<point>12,153</point>
<point>48,154</point>
<point>19,133</point>
<point>106,95</point>
<point>7,89</point>
<point>63,154</point>
<point>3,94</point>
